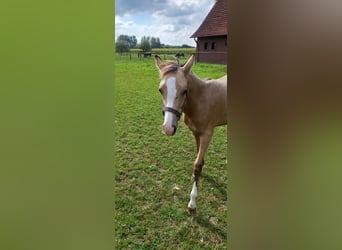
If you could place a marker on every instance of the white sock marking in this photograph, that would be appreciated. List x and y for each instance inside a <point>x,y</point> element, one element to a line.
<point>193,195</point>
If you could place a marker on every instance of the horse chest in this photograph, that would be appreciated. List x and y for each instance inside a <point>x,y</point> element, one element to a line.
<point>193,124</point>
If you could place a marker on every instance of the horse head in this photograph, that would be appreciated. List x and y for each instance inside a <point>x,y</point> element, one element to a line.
<point>174,89</point>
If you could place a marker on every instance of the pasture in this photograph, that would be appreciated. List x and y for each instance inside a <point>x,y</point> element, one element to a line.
<point>153,171</point>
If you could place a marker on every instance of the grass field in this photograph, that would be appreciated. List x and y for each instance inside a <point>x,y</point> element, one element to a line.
<point>153,172</point>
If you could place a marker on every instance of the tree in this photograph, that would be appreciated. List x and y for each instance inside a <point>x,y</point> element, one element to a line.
<point>186,46</point>
<point>155,42</point>
<point>145,44</point>
<point>131,41</point>
<point>121,46</point>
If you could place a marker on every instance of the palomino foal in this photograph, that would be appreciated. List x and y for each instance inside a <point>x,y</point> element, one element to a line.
<point>203,102</point>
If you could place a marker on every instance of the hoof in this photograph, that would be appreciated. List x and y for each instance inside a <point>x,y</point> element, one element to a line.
<point>192,211</point>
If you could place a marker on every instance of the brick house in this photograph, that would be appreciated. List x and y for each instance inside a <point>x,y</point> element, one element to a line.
<point>211,36</point>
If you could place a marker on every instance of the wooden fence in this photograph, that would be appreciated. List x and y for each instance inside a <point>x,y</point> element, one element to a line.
<point>168,55</point>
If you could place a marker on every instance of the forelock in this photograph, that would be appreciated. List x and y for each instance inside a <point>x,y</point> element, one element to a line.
<point>168,67</point>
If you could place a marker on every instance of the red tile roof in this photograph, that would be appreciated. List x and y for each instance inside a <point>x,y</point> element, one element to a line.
<point>215,24</point>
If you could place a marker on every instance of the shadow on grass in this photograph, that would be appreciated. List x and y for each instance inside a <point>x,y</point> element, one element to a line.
<point>222,187</point>
<point>204,222</point>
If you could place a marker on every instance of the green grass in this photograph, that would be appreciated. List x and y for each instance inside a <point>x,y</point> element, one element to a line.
<point>153,172</point>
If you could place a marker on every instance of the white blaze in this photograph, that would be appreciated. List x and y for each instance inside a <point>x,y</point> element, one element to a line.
<point>171,91</point>
<point>170,99</point>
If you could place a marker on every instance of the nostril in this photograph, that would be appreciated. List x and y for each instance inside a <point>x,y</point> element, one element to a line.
<point>174,129</point>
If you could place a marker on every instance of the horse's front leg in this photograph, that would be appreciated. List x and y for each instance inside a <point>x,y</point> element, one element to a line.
<point>204,141</point>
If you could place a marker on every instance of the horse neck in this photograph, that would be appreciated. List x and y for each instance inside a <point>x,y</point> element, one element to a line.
<point>195,84</point>
<point>195,90</point>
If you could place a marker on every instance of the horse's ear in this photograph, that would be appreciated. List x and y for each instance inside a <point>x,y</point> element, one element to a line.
<point>158,61</point>
<point>187,66</point>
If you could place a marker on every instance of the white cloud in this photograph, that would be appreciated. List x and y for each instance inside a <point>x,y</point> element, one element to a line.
<point>185,4</point>
<point>173,21</point>
<point>122,24</point>
<point>167,27</point>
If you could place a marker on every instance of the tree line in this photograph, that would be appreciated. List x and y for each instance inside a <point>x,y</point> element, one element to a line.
<point>124,43</point>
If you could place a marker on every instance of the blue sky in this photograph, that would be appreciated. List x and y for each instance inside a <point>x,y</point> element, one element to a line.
<point>173,21</point>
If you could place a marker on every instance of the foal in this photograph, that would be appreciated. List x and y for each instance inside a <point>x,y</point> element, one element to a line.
<point>203,102</point>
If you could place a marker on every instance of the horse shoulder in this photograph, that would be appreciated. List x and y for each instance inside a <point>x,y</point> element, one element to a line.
<point>190,123</point>
<point>196,125</point>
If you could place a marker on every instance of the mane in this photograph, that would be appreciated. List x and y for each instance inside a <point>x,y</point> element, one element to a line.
<point>172,66</point>
<point>168,67</point>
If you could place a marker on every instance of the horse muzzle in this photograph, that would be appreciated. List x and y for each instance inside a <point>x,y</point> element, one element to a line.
<point>169,130</point>
<point>171,117</point>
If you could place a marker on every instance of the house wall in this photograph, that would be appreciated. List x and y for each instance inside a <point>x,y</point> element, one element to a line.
<point>212,49</point>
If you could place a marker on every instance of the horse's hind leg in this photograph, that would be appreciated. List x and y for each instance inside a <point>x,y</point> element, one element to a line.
<point>204,141</point>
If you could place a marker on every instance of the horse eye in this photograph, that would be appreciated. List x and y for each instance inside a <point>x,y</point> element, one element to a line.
<point>185,92</point>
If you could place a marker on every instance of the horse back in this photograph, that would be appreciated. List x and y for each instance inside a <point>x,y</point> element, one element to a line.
<point>218,95</point>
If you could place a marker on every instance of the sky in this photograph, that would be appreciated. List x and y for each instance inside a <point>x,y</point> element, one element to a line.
<point>173,21</point>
